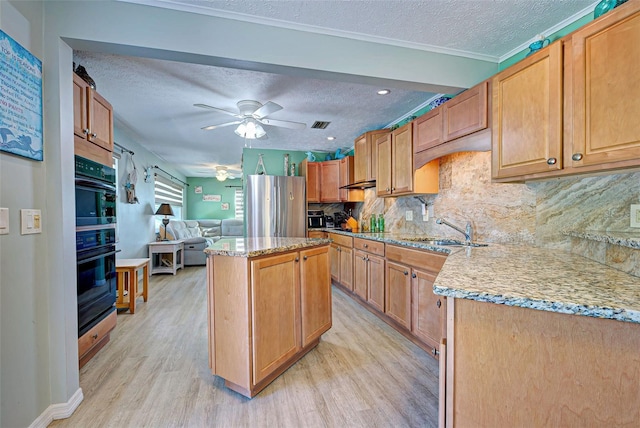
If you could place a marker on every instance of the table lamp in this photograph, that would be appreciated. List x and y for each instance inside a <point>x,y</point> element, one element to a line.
<point>165,209</point>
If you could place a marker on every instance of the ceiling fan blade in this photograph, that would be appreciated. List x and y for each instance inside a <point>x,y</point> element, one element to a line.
<point>266,110</point>
<point>283,123</point>
<point>231,113</point>
<point>210,127</point>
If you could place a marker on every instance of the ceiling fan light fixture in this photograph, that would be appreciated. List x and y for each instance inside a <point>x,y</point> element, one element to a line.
<point>250,129</point>
<point>221,173</point>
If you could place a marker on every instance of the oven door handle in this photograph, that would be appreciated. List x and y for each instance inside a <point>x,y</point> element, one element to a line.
<point>95,184</point>
<point>99,256</point>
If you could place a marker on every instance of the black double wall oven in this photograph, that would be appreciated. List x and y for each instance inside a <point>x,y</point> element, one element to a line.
<point>95,186</point>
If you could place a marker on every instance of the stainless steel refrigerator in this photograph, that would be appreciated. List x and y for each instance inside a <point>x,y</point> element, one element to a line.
<point>276,206</point>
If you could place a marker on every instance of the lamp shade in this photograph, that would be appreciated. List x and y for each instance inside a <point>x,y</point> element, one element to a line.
<point>164,209</point>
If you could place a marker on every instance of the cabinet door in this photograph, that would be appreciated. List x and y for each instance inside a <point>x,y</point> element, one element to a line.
<point>275,312</point>
<point>329,181</point>
<point>375,291</point>
<point>466,113</point>
<point>360,276</point>
<point>313,188</point>
<point>428,309</point>
<point>527,115</point>
<point>80,125</point>
<point>398,294</point>
<point>346,177</point>
<point>402,160</point>
<point>361,161</point>
<point>334,258</point>
<point>605,90</point>
<point>383,177</point>
<point>100,119</point>
<point>427,130</point>
<point>315,293</point>
<point>346,267</point>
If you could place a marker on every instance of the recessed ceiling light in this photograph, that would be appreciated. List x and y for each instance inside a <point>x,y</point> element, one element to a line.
<point>331,138</point>
<point>384,92</point>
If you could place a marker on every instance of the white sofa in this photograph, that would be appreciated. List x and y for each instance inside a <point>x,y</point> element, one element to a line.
<point>199,234</point>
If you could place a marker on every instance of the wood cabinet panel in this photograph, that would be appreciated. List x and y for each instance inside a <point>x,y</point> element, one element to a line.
<point>100,119</point>
<point>313,186</point>
<point>428,260</point>
<point>427,130</point>
<point>316,234</point>
<point>315,293</point>
<point>402,160</point>
<point>276,328</point>
<point>361,161</point>
<point>96,338</point>
<point>466,113</point>
<point>329,181</point>
<point>334,257</point>
<point>375,289</point>
<point>360,274</point>
<point>345,241</point>
<point>527,115</point>
<point>80,125</point>
<point>383,176</point>
<point>347,177</point>
<point>428,309</point>
<point>604,93</point>
<point>368,245</point>
<point>346,267</point>
<point>398,294</point>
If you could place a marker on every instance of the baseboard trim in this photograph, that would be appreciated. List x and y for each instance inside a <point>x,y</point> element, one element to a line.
<point>58,411</point>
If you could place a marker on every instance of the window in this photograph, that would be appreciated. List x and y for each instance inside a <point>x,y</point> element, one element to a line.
<point>167,192</point>
<point>239,203</point>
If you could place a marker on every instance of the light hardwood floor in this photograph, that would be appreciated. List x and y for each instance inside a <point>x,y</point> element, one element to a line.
<point>154,372</point>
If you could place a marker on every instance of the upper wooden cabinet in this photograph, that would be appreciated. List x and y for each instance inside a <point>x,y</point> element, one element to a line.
<point>92,123</point>
<point>330,181</point>
<point>396,175</point>
<point>571,108</point>
<point>466,113</point>
<point>603,88</point>
<point>366,156</point>
<point>527,115</point>
<point>427,130</point>
<point>310,170</point>
<point>347,177</point>
<point>325,179</point>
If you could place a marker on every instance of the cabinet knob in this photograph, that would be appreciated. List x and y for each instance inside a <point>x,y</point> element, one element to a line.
<point>94,135</point>
<point>85,131</point>
<point>413,275</point>
<point>552,161</point>
<point>393,188</point>
<point>297,259</point>
<point>388,189</point>
<point>434,351</point>
<point>364,258</point>
<point>438,303</point>
<point>95,336</point>
<point>405,272</point>
<point>304,258</point>
<point>577,156</point>
<point>366,245</point>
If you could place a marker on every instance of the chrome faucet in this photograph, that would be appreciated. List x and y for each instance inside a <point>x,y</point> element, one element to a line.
<point>467,232</point>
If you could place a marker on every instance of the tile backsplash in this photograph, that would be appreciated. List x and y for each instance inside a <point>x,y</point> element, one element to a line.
<point>533,213</point>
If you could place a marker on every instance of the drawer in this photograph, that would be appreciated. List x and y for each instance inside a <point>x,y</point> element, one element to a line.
<point>345,241</point>
<point>373,247</point>
<point>96,334</point>
<point>419,258</point>
<point>316,234</point>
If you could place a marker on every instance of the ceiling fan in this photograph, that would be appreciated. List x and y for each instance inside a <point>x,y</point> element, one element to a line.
<point>251,116</point>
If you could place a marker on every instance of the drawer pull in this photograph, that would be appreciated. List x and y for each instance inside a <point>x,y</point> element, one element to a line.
<point>95,336</point>
<point>438,303</point>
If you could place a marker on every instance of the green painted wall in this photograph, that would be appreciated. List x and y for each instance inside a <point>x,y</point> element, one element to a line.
<point>273,160</point>
<point>197,208</point>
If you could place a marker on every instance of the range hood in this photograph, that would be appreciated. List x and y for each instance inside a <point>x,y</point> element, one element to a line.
<point>360,185</point>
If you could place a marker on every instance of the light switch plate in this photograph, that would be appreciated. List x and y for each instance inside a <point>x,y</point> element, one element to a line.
<point>408,215</point>
<point>30,221</point>
<point>4,221</point>
<point>635,215</point>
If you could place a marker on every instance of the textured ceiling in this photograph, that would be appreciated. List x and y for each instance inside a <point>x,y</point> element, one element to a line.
<point>153,99</point>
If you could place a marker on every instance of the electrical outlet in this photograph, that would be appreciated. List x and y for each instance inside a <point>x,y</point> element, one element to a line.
<point>635,215</point>
<point>408,215</point>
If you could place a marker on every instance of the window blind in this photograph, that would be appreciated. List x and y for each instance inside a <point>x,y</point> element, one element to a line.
<point>239,204</point>
<point>167,192</point>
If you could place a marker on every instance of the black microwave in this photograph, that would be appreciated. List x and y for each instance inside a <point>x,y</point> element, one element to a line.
<point>95,193</point>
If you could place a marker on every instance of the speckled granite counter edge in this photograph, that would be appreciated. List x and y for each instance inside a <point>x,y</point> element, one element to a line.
<point>622,239</point>
<point>311,242</point>
<point>395,239</point>
<point>543,305</point>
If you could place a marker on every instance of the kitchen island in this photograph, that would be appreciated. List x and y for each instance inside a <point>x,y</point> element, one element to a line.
<point>268,301</point>
<point>539,338</point>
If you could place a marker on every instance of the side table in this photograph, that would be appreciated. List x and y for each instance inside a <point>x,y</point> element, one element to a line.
<point>127,270</point>
<point>166,256</point>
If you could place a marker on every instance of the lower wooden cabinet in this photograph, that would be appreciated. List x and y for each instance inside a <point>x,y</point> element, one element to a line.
<point>341,255</point>
<point>368,278</point>
<point>428,311</point>
<point>316,234</point>
<point>265,313</point>
<point>95,339</point>
<point>397,302</point>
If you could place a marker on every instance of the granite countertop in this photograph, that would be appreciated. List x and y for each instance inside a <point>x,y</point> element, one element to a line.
<point>624,239</point>
<point>531,277</point>
<point>252,247</point>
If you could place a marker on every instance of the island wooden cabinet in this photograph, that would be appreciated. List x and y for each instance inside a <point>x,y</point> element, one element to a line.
<point>341,257</point>
<point>527,115</point>
<point>366,155</point>
<point>396,175</point>
<point>92,123</point>
<point>265,313</point>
